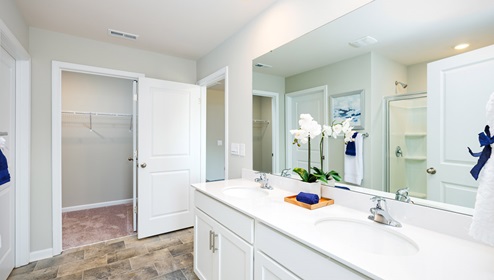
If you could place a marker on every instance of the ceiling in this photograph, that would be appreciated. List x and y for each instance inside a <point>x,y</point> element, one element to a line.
<point>408,32</point>
<point>182,28</point>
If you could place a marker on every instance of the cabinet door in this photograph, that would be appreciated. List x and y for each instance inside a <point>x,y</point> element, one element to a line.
<point>203,255</point>
<point>268,269</point>
<point>235,256</point>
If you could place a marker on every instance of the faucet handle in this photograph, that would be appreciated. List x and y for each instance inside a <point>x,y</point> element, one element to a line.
<point>381,202</point>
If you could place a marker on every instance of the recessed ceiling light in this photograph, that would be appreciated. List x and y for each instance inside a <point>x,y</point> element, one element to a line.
<point>462,46</point>
<point>364,41</point>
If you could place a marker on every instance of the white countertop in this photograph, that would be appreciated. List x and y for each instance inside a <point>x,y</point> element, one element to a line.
<point>440,256</point>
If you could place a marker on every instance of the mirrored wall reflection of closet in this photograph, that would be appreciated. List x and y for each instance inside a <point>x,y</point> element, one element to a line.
<point>96,143</point>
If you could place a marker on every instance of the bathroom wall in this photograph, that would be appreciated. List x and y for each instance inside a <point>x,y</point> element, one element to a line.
<point>95,168</point>
<point>11,17</point>
<point>46,46</point>
<point>281,23</point>
<point>215,126</point>
<point>417,78</point>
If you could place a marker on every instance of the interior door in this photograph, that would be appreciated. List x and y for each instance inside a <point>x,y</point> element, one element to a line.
<point>314,102</point>
<point>7,132</point>
<point>169,155</point>
<point>460,87</point>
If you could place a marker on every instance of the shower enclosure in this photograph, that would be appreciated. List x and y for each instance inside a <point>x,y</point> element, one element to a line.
<point>406,143</point>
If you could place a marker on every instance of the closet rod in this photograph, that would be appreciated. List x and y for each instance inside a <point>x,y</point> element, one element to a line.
<point>96,114</point>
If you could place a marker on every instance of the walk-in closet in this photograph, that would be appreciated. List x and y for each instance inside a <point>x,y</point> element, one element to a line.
<point>97,141</point>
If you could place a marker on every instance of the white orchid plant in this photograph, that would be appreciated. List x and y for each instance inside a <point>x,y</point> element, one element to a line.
<point>309,129</point>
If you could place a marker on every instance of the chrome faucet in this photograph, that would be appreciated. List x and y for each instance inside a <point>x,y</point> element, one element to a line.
<point>263,179</point>
<point>402,195</point>
<point>380,213</point>
<point>284,172</point>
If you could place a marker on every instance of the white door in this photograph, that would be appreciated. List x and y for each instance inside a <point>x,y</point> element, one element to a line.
<point>460,87</point>
<point>314,102</point>
<point>7,132</point>
<point>168,155</point>
<point>133,157</point>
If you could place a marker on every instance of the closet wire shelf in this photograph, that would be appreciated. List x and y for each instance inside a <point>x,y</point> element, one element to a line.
<point>97,114</point>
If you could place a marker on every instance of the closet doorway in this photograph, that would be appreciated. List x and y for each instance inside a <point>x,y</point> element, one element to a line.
<point>97,153</point>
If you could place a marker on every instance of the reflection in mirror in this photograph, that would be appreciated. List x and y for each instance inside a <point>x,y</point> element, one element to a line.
<point>409,35</point>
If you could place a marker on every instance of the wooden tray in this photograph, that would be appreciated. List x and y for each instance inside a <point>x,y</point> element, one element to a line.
<point>322,202</point>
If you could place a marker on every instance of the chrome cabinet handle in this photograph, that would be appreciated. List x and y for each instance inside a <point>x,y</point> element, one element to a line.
<point>431,170</point>
<point>214,242</point>
<point>211,240</point>
<point>143,165</point>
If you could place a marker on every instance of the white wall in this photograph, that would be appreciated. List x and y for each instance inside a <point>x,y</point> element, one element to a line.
<point>215,126</point>
<point>11,17</point>
<point>46,46</point>
<point>94,163</point>
<point>384,74</point>
<point>417,78</point>
<point>262,134</point>
<point>281,23</point>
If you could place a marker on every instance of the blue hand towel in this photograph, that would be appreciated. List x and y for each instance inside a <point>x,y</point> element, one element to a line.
<point>309,198</point>
<point>350,147</point>
<point>4,169</point>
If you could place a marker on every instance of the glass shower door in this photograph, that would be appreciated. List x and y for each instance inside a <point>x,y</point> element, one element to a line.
<point>406,122</point>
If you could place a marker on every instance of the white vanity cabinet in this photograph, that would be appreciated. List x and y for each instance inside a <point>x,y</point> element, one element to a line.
<point>284,258</point>
<point>222,241</point>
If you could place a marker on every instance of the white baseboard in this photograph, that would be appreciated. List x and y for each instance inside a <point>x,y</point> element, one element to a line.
<point>41,254</point>
<point>96,205</point>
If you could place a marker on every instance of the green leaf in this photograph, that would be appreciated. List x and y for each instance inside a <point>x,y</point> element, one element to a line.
<point>304,175</point>
<point>334,175</point>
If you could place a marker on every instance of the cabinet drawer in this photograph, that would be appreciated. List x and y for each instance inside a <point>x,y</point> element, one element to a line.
<point>240,224</point>
<point>305,262</point>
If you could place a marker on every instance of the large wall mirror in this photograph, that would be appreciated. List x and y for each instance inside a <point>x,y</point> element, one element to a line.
<point>382,50</point>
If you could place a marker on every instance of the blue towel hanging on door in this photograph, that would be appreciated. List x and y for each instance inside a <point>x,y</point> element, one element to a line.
<point>4,169</point>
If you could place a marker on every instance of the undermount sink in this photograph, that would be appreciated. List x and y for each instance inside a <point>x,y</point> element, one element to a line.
<point>245,192</point>
<point>367,237</point>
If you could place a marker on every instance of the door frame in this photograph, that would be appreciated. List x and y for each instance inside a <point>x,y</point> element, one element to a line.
<point>221,74</point>
<point>275,119</point>
<point>22,143</point>
<point>56,148</point>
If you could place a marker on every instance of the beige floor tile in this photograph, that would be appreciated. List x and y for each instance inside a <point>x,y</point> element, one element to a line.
<point>127,253</point>
<point>78,266</point>
<point>181,249</point>
<point>144,273</point>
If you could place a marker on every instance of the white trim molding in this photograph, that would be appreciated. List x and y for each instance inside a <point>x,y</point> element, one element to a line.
<point>57,69</point>
<point>217,76</point>
<point>96,205</point>
<point>22,145</point>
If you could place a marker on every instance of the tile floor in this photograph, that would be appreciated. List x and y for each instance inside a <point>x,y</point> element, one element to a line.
<point>167,256</point>
<point>90,226</point>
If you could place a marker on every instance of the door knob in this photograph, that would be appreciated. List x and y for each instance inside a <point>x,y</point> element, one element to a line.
<point>431,170</point>
<point>130,159</point>
<point>143,165</point>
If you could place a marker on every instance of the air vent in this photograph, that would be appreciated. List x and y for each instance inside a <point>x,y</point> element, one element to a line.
<point>262,65</point>
<point>120,34</point>
<point>362,42</point>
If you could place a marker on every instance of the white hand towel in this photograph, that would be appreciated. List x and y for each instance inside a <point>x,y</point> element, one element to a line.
<point>354,165</point>
<point>482,227</point>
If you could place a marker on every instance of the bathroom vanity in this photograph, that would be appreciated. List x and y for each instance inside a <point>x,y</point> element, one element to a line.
<point>245,232</point>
